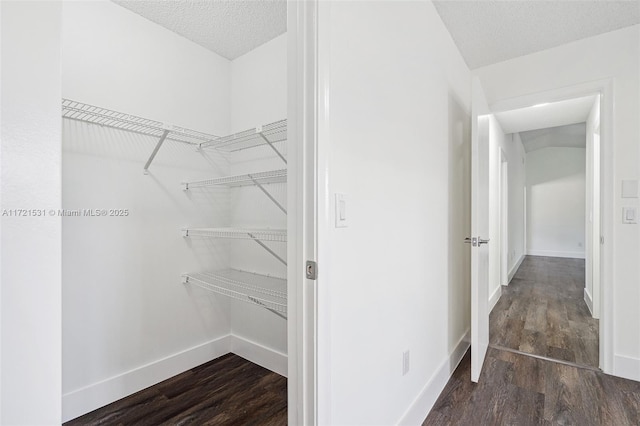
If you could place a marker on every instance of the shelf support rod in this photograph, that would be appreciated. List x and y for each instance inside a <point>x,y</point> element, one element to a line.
<point>267,194</point>
<point>155,151</point>
<point>273,148</point>
<point>257,302</point>
<point>264,246</point>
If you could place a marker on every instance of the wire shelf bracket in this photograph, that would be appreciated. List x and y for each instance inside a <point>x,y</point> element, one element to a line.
<point>257,179</point>
<point>104,117</point>
<point>267,248</point>
<point>268,194</point>
<point>155,151</point>
<point>265,291</point>
<point>268,134</point>
<point>256,235</point>
<point>272,146</point>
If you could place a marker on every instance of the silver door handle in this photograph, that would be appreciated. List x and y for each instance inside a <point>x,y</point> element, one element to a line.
<point>475,241</point>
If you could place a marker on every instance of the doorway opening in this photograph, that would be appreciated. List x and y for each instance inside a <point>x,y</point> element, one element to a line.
<point>547,225</point>
<point>205,246</point>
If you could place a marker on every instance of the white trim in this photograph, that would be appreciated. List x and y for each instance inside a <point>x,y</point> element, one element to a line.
<point>588,300</point>
<point>493,299</point>
<point>627,367</point>
<point>422,404</point>
<point>552,253</point>
<point>514,269</point>
<point>89,398</point>
<point>302,334</point>
<point>324,218</point>
<point>258,354</point>
<point>504,219</point>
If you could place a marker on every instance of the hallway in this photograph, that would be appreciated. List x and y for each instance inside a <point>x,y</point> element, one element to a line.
<point>542,312</point>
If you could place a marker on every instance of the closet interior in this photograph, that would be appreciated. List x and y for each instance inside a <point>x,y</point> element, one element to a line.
<point>174,195</point>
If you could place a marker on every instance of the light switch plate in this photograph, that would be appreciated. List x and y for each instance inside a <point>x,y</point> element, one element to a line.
<point>341,211</point>
<point>629,215</point>
<point>630,188</point>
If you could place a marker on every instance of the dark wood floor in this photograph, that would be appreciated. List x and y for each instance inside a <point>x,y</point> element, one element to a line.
<point>226,391</point>
<point>521,390</point>
<point>543,312</point>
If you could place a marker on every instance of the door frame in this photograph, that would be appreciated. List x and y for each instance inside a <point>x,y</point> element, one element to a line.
<point>596,219</point>
<point>302,206</point>
<point>604,88</point>
<point>503,181</point>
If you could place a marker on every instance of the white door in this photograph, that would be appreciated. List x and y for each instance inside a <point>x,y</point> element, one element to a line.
<point>479,229</point>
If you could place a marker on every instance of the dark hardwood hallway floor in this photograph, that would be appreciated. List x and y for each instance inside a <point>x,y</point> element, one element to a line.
<point>520,390</point>
<point>226,391</point>
<point>543,312</point>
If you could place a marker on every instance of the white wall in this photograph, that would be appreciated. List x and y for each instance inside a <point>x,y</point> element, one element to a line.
<point>510,146</point>
<point>120,60</point>
<point>395,104</point>
<point>611,55</point>
<point>259,85</point>
<point>30,263</point>
<point>259,96</point>
<point>128,320</point>
<point>556,202</point>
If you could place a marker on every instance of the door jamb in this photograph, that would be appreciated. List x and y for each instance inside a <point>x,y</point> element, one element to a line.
<point>302,211</point>
<point>504,219</point>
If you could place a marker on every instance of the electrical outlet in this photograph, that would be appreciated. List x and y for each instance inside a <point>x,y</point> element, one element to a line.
<point>405,362</point>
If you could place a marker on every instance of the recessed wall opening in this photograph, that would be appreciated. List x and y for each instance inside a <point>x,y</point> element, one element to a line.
<point>175,180</point>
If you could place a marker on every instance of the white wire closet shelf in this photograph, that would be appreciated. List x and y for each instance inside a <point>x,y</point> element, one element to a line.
<point>278,235</point>
<point>256,235</point>
<point>268,134</point>
<point>258,179</point>
<point>87,113</point>
<point>263,178</point>
<point>263,290</point>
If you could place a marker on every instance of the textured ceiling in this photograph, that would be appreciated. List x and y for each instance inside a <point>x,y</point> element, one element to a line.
<point>573,136</point>
<point>487,31</point>
<point>229,28</point>
<point>543,116</point>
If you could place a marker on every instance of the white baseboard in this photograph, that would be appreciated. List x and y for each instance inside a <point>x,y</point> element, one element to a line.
<point>588,300</point>
<point>89,398</point>
<point>493,299</point>
<point>422,404</point>
<point>261,355</point>
<point>513,270</point>
<point>550,253</point>
<point>626,367</point>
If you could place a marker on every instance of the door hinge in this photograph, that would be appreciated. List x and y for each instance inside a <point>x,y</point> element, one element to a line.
<point>312,270</point>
